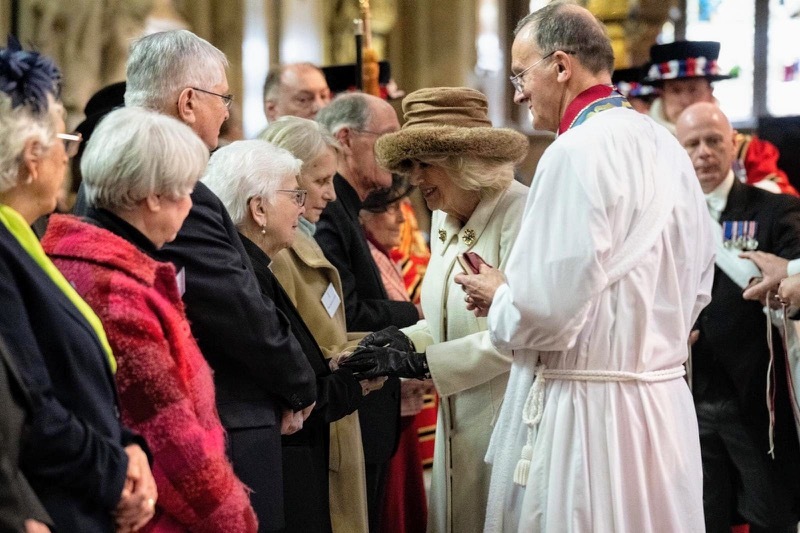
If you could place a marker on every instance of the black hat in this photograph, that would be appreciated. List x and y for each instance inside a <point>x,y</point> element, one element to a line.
<point>342,78</point>
<point>684,59</point>
<point>629,82</point>
<point>378,201</point>
<point>99,105</point>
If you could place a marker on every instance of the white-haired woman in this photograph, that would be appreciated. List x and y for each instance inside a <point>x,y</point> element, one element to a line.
<point>306,275</point>
<point>464,169</point>
<point>138,172</point>
<point>78,456</point>
<point>257,182</point>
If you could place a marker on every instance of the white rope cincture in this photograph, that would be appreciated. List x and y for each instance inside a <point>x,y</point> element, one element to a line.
<point>533,409</point>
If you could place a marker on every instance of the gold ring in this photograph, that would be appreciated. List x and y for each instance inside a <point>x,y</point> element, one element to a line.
<point>151,503</point>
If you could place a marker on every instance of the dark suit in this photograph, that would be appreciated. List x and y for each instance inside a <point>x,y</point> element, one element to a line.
<point>18,502</point>
<point>305,453</point>
<point>729,365</point>
<point>367,308</point>
<point>258,364</point>
<point>76,462</point>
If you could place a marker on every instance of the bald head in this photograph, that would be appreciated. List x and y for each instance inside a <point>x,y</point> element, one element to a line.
<point>296,89</point>
<point>706,134</point>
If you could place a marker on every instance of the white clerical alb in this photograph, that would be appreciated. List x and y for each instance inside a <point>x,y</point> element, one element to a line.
<point>622,453</point>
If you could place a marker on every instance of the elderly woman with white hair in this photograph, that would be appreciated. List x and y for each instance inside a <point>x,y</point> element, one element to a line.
<point>306,275</point>
<point>138,172</point>
<point>89,470</point>
<point>257,182</point>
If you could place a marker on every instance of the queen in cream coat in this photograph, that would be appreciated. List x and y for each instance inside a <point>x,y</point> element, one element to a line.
<point>464,169</point>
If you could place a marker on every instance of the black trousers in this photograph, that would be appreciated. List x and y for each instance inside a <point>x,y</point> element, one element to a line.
<point>376,488</point>
<point>739,476</point>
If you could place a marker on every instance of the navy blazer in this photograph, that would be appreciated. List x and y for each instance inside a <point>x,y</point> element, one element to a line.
<point>18,502</point>
<point>731,353</point>
<point>76,460</point>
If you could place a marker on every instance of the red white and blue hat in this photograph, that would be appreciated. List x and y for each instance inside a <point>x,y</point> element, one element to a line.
<point>684,59</point>
<point>628,82</point>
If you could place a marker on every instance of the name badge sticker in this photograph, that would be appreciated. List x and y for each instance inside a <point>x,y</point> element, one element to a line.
<point>180,278</point>
<point>331,300</point>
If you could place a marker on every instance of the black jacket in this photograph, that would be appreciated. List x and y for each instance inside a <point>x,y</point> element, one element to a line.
<point>731,356</point>
<point>305,453</point>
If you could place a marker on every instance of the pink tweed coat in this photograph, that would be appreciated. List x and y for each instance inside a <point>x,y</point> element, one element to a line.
<point>166,392</point>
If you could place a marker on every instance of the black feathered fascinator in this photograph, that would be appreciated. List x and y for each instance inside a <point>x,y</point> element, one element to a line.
<point>27,77</point>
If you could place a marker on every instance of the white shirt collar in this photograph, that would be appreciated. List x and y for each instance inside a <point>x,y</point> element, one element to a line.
<point>718,198</point>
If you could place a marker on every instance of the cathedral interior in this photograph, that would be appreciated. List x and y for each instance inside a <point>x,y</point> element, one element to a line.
<point>426,43</point>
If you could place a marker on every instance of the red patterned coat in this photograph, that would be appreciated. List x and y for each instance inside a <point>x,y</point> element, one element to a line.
<point>165,386</point>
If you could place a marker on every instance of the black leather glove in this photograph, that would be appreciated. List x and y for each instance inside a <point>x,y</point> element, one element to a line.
<point>391,337</point>
<point>368,362</point>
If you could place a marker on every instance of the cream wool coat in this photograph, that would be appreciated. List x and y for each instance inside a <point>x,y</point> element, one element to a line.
<point>305,275</point>
<point>469,374</point>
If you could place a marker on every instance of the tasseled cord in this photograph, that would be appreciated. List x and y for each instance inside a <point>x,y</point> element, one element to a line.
<point>531,416</point>
<point>770,396</point>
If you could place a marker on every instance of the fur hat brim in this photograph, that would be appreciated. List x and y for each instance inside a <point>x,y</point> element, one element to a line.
<point>396,151</point>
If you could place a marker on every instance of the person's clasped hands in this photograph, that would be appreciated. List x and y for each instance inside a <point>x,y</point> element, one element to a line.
<point>388,352</point>
<point>137,504</point>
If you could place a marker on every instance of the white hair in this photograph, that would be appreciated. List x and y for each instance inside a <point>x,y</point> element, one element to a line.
<point>244,169</point>
<point>135,152</point>
<point>163,64</point>
<point>18,126</point>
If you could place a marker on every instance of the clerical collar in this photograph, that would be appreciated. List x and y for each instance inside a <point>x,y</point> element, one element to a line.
<point>594,99</point>
<point>718,198</point>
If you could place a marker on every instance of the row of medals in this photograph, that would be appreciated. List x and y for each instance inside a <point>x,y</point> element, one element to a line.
<point>740,234</point>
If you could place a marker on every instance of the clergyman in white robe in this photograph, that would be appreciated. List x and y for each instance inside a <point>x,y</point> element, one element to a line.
<point>613,264</point>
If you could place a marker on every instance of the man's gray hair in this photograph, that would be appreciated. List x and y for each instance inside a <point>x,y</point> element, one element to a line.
<point>135,152</point>
<point>348,110</point>
<point>244,169</point>
<point>562,25</point>
<point>18,126</point>
<point>163,64</point>
<point>305,139</point>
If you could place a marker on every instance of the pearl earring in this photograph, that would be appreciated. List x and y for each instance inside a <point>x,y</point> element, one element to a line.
<point>264,229</point>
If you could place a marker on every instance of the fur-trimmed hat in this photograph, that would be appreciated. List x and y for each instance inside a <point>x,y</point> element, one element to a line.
<point>443,121</point>
<point>684,59</point>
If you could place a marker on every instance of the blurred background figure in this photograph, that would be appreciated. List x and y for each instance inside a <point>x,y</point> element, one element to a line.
<point>307,277</point>
<point>90,472</point>
<point>257,182</point>
<point>139,170</point>
<point>628,82</point>
<point>296,89</point>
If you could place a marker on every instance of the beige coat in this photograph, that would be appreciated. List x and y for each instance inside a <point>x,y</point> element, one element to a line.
<point>469,374</point>
<point>305,275</point>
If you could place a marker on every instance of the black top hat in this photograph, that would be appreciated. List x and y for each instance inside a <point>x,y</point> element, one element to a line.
<point>629,82</point>
<point>684,59</point>
<point>342,78</point>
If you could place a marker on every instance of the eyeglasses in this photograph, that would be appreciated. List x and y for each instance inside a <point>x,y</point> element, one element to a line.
<point>226,98</point>
<point>517,80</point>
<point>370,132</point>
<point>72,141</point>
<point>298,195</point>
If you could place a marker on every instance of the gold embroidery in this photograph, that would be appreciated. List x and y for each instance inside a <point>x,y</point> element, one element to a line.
<point>442,235</point>
<point>469,236</point>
